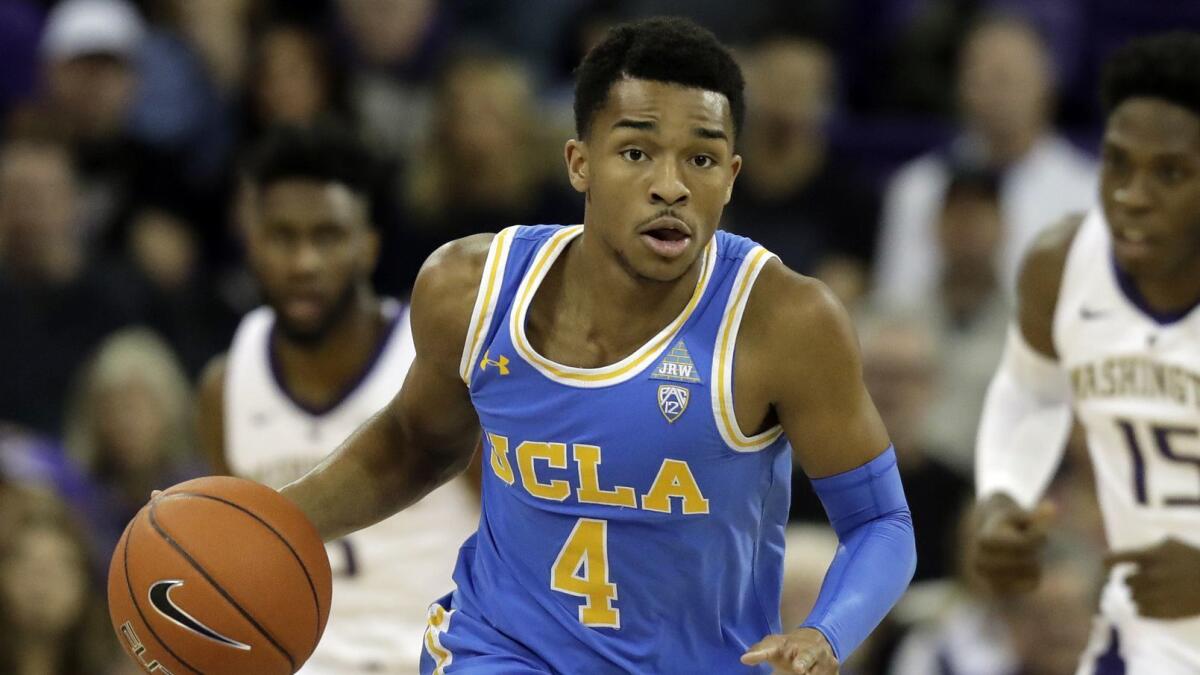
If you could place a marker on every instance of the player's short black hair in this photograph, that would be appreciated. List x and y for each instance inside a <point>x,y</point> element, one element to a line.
<point>1164,66</point>
<point>664,49</point>
<point>323,152</point>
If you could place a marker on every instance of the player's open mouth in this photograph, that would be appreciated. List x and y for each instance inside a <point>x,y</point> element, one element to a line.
<point>1132,242</point>
<point>1133,235</point>
<point>303,308</point>
<point>668,237</point>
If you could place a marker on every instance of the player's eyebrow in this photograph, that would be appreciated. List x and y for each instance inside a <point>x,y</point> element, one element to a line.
<point>640,125</point>
<point>710,133</point>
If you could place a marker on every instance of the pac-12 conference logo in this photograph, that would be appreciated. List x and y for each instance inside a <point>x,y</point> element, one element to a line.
<point>672,400</point>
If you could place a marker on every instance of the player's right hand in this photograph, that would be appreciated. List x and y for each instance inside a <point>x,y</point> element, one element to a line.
<point>1007,543</point>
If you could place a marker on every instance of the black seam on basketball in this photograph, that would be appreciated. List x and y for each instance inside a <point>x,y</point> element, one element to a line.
<point>213,582</point>
<point>300,561</point>
<point>134,598</point>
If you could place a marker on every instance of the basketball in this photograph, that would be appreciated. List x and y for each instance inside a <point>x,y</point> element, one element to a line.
<point>221,576</point>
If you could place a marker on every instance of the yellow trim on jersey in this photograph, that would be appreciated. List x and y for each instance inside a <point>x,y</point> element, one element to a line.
<point>438,623</point>
<point>485,300</point>
<point>613,373</point>
<point>722,370</point>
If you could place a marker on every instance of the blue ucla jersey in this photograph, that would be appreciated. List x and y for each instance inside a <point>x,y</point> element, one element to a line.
<point>628,524</point>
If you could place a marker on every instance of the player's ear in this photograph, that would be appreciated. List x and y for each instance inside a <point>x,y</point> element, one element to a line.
<point>577,164</point>
<point>735,167</point>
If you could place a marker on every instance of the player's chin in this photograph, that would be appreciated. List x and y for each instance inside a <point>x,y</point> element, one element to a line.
<point>653,265</point>
<point>302,330</point>
<point>664,271</point>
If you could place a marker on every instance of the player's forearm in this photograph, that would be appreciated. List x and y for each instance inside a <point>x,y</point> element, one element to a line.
<point>376,472</point>
<point>876,555</point>
<point>1024,426</point>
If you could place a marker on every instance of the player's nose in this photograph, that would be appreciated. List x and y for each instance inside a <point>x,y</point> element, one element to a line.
<point>306,259</point>
<point>668,186</point>
<point>1132,194</point>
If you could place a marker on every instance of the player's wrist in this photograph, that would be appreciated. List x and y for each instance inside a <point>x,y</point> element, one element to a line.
<point>996,504</point>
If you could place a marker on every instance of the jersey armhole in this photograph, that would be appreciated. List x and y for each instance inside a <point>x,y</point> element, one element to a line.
<point>482,314</point>
<point>723,354</point>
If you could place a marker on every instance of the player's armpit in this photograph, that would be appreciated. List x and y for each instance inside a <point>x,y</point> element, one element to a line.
<point>428,432</point>
<point>210,414</point>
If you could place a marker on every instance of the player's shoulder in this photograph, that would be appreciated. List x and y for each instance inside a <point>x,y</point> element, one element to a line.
<point>795,315</point>
<point>444,293</point>
<point>211,384</point>
<point>1046,258</point>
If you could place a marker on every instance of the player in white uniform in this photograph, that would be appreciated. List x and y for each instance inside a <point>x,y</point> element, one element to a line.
<point>1109,328</point>
<point>312,366</point>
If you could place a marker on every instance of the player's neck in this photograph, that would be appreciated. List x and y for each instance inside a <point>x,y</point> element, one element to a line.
<point>1171,294</point>
<point>613,303</point>
<point>1011,148</point>
<point>314,373</point>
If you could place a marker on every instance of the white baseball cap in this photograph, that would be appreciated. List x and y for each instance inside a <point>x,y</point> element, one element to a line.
<point>80,27</point>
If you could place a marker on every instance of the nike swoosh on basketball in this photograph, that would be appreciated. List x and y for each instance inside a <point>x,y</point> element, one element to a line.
<point>160,599</point>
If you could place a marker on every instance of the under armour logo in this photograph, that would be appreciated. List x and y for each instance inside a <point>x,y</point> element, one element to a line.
<point>501,363</point>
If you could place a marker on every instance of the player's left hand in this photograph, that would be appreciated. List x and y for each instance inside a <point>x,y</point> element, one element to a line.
<point>1166,584</point>
<point>804,651</point>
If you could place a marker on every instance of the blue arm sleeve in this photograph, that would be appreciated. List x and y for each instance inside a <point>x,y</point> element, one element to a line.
<point>876,554</point>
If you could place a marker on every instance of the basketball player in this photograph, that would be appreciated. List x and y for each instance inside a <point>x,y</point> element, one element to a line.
<point>1107,324</point>
<point>304,371</point>
<point>638,379</point>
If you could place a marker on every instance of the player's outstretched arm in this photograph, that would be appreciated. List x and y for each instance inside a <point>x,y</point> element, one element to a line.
<point>428,432</point>
<point>802,351</point>
<point>1024,425</point>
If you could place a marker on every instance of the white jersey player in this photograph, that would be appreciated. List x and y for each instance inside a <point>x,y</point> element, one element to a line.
<point>1109,329</point>
<point>308,369</point>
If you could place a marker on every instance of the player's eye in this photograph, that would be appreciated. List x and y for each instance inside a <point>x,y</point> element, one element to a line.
<point>280,236</point>
<point>1115,161</point>
<point>704,161</point>
<point>633,155</point>
<point>1170,173</point>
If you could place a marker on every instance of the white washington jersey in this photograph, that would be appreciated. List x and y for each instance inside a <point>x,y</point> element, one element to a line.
<point>1135,379</point>
<point>385,576</point>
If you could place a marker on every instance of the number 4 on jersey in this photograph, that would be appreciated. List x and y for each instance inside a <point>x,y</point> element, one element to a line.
<point>582,569</point>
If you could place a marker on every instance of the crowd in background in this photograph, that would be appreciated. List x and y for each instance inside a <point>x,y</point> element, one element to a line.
<point>903,151</point>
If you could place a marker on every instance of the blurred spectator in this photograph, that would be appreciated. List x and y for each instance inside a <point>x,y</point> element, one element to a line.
<point>92,51</point>
<point>969,313</point>
<point>191,68</point>
<point>52,616</point>
<point>218,31</point>
<point>293,79</point>
<point>793,196</point>
<point>182,302</point>
<point>1006,100</point>
<point>38,461</point>
<point>394,47</point>
<point>485,166</point>
<point>899,360</point>
<point>20,28</point>
<point>56,302</point>
<point>130,424</point>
